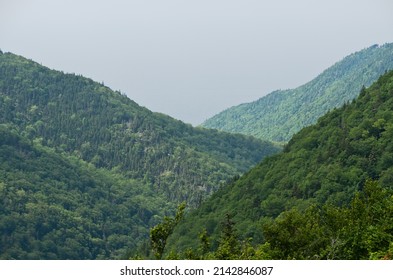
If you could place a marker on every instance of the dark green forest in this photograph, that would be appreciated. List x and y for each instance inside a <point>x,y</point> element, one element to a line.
<point>280,114</point>
<point>328,195</point>
<point>94,171</point>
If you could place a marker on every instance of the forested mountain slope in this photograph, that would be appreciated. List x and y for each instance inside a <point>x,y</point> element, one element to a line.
<point>323,164</point>
<point>83,118</point>
<point>54,207</point>
<point>280,114</point>
<point>85,171</point>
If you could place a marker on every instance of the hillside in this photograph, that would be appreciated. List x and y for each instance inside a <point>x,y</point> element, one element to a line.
<point>87,171</point>
<point>53,207</point>
<point>324,164</point>
<point>83,118</point>
<point>282,113</point>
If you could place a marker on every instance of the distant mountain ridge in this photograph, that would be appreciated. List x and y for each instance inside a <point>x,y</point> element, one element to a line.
<point>282,113</point>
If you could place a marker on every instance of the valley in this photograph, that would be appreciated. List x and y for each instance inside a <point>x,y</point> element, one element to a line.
<point>87,173</point>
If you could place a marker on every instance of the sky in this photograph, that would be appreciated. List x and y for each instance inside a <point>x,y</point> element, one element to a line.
<point>191,59</point>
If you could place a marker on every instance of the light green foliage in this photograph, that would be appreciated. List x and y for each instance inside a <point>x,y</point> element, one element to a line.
<point>362,230</point>
<point>205,242</point>
<point>160,233</point>
<point>280,114</point>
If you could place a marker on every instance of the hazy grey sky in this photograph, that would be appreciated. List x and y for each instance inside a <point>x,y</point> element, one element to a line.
<point>193,58</point>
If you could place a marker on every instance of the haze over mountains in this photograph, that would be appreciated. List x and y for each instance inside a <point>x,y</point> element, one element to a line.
<point>280,114</point>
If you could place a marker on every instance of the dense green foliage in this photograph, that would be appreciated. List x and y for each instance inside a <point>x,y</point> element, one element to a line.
<point>361,230</point>
<point>326,163</point>
<point>159,234</point>
<point>54,207</point>
<point>280,114</point>
<point>83,118</point>
<point>85,171</point>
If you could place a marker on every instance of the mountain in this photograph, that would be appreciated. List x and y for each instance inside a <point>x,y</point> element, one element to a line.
<point>91,154</point>
<point>330,164</point>
<point>83,118</point>
<point>282,113</point>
